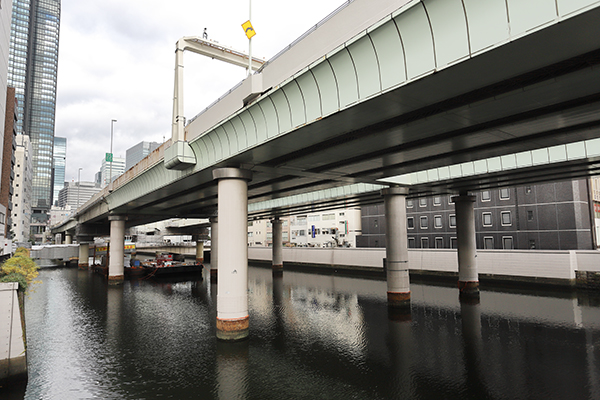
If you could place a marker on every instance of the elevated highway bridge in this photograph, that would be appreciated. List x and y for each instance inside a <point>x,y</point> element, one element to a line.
<point>422,97</point>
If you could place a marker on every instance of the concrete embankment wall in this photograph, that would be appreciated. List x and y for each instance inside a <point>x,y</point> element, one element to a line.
<point>13,361</point>
<point>549,267</point>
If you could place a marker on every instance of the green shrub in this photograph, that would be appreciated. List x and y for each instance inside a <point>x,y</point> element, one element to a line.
<point>19,268</point>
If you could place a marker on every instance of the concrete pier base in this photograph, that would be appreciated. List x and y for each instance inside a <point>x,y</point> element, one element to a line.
<point>214,246</point>
<point>398,281</point>
<point>277,244</point>
<point>84,256</point>
<point>468,277</point>
<point>116,263</point>
<point>199,252</point>
<point>232,284</point>
<point>233,329</point>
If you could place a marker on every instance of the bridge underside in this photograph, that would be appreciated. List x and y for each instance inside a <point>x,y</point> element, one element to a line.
<point>537,91</point>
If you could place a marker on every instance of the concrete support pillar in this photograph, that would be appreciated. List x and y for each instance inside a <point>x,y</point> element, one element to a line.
<point>199,251</point>
<point>468,278</point>
<point>116,262</point>
<point>277,244</point>
<point>232,285</point>
<point>58,238</point>
<point>84,255</point>
<point>68,239</point>
<point>214,246</point>
<point>398,282</point>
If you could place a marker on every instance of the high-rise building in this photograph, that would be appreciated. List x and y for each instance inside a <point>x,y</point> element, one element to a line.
<point>58,168</point>
<point>137,153</point>
<point>75,194</point>
<point>117,168</point>
<point>23,171</point>
<point>32,70</point>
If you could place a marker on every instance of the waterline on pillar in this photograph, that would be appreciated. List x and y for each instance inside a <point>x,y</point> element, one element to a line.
<point>116,279</point>
<point>233,329</point>
<point>468,290</point>
<point>398,299</point>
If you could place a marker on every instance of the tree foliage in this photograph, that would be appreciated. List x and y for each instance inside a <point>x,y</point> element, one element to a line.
<point>19,268</point>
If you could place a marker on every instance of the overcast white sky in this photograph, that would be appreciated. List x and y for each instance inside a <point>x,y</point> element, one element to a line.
<point>117,60</point>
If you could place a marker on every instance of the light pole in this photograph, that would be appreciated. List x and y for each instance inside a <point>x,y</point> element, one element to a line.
<point>112,121</point>
<point>78,185</point>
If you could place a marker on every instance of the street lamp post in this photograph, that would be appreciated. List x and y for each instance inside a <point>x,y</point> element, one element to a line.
<point>112,121</point>
<point>78,185</point>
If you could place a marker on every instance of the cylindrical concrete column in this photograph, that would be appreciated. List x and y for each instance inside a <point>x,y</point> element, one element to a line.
<point>277,225</point>
<point>68,239</point>
<point>58,238</point>
<point>84,255</point>
<point>199,251</point>
<point>398,282</point>
<point>468,278</point>
<point>214,245</point>
<point>232,285</point>
<point>116,262</point>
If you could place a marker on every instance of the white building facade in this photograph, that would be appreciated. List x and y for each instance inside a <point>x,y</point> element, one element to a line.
<point>118,168</point>
<point>75,194</point>
<point>22,189</point>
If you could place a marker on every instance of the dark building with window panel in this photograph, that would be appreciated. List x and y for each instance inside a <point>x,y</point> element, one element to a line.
<point>552,216</point>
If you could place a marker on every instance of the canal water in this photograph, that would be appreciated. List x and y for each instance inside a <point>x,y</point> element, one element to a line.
<point>311,337</point>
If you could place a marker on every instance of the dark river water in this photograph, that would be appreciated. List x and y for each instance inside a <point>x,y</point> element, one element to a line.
<point>311,337</point>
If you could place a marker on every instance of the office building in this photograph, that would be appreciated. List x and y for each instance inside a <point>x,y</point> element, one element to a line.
<point>59,156</point>
<point>32,69</point>
<point>75,194</point>
<point>137,153</point>
<point>7,165</point>
<point>117,168</point>
<point>23,172</point>
<point>549,216</point>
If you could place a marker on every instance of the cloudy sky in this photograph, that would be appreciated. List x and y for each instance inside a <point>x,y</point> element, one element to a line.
<point>117,59</point>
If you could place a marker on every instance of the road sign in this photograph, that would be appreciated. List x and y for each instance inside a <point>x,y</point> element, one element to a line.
<point>109,157</point>
<point>248,29</point>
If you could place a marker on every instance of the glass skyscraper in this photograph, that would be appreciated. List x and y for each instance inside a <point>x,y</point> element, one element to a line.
<point>60,163</point>
<point>33,62</point>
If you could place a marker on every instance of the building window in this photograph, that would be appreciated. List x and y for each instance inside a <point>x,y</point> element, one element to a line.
<point>424,222</point>
<point>410,223</point>
<point>452,221</point>
<point>487,218</point>
<point>531,244</point>
<point>529,215</point>
<point>506,218</point>
<point>375,223</point>
<point>411,242</point>
<point>423,202</point>
<point>488,242</point>
<point>424,243</point>
<point>437,221</point>
<point>453,243</point>
<point>507,242</point>
<point>409,203</point>
<point>437,201</point>
<point>527,189</point>
<point>439,243</point>
<point>504,194</point>
<point>486,195</point>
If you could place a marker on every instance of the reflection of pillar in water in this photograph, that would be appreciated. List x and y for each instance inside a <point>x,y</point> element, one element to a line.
<point>593,373</point>
<point>401,348</point>
<point>114,309</point>
<point>471,329</point>
<point>278,310</point>
<point>200,291</point>
<point>232,370</point>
